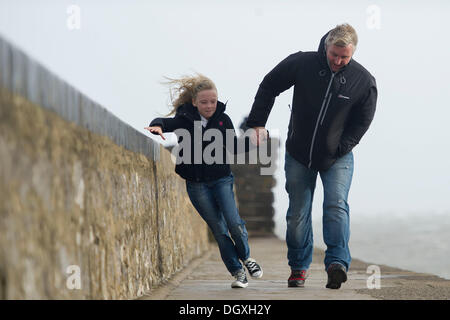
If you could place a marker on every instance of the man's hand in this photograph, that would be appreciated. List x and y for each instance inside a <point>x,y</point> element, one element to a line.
<point>156,130</point>
<point>258,136</point>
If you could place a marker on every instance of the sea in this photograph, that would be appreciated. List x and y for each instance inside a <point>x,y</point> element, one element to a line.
<point>418,242</point>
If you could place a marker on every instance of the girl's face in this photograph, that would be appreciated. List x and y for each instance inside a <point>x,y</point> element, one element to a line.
<point>206,102</point>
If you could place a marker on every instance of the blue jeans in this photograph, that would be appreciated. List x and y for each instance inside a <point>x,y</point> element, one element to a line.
<point>300,185</point>
<point>215,203</point>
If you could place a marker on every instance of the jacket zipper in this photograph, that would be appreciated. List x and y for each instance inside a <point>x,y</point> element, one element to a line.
<point>326,108</point>
<point>292,125</point>
<point>318,118</point>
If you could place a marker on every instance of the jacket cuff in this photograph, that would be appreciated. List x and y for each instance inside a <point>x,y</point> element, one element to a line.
<point>157,122</point>
<point>252,124</point>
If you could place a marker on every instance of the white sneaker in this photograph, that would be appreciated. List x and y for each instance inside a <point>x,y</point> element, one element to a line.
<point>241,279</point>
<point>253,268</point>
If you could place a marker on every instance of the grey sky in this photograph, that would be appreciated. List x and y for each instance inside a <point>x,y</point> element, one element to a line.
<point>124,48</point>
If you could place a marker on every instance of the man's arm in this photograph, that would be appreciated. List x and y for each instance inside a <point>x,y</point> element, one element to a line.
<point>281,78</point>
<point>359,122</point>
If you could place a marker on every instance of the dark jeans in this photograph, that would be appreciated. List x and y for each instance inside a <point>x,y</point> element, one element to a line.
<point>215,203</point>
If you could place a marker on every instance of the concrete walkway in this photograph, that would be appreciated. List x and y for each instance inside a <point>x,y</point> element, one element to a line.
<point>206,278</point>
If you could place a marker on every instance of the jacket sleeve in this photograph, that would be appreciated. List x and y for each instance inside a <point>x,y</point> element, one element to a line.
<point>167,124</point>
<point>281,78</point>
<point>360,120</point>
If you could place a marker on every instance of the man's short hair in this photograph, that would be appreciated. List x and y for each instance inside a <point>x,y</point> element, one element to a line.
<point>341,36</point>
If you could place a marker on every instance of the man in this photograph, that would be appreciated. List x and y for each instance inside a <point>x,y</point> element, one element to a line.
<point>333,105</point>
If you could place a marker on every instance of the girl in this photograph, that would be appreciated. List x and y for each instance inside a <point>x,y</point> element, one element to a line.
<point>210,186</point>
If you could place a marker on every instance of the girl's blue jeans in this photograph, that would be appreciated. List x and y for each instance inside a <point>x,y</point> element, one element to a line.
<point>216,204</point>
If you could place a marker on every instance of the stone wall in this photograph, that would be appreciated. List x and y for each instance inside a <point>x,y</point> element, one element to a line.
<point>254,194</point>
<point>71,197</point>
<point>83,196</point>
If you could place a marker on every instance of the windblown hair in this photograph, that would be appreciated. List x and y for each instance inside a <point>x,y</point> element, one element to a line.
<point>342,35</point>
<point>185,89</point>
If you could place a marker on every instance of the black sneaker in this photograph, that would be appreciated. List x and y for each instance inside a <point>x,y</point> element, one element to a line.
<point>336,275</point>
<point>253,268</point>
<point>297,278</point>
<point>241,279</point>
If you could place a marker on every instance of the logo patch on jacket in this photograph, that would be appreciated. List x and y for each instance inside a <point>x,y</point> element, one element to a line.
<point>343,97</point>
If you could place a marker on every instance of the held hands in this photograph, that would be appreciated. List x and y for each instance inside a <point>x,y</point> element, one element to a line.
<point>258,136</point>
<point>156,130</point>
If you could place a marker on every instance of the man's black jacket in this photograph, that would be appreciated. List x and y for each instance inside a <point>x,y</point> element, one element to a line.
<point>330,111</point>
<point>184,119</point>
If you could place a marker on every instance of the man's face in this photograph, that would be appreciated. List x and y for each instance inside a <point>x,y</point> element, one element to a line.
<point>339,56</point>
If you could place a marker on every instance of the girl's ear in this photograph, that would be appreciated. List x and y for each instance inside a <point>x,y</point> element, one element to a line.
<point>193,102</point>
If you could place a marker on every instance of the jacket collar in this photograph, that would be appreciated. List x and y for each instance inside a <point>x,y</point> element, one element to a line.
<point>189,111</point>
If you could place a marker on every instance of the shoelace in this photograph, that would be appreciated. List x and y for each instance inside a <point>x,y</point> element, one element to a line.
<point>252,266</point>
<point>240,277</point>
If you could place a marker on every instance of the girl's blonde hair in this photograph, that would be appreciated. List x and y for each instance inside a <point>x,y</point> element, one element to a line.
<point>185,89</point>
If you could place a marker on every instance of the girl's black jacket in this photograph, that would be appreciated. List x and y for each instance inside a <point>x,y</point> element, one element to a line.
<point>184,118</point>
<point>330,111</point>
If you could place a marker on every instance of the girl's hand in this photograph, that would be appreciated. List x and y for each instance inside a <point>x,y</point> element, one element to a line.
<point>156,130</point>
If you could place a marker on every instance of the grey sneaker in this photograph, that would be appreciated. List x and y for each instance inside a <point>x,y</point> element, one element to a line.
<point>253,268</point>
<point>241,279</point>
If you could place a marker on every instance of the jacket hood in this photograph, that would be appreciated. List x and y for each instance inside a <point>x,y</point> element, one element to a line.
<point>191,112</point>
<point>321,50</point>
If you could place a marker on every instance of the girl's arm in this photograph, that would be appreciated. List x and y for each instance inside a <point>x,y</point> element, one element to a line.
<point>160,125</point>
<point>168,124</point>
